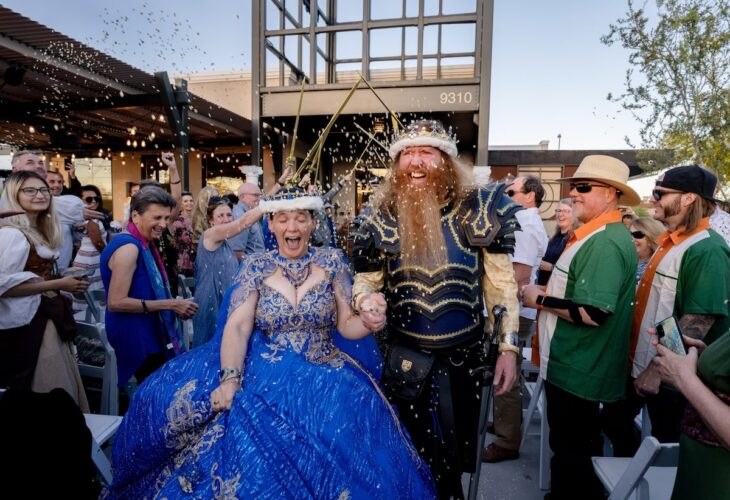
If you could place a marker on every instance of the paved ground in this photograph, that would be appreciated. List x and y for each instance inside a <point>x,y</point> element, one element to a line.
<point>514,479</point>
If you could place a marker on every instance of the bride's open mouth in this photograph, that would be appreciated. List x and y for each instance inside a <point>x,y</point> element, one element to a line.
<point>293,242</point>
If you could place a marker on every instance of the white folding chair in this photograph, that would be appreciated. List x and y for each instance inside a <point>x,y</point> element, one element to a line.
<point>107,373</point>
<point>185,286</point>
<point>649,475</point>
<point>102,428</point>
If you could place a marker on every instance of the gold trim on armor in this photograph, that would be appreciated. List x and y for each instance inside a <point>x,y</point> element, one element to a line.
<point>436,337</point>
<point>437,304</point>
<point>430,289</point>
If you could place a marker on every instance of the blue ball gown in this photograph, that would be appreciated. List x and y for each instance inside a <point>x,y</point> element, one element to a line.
<point>309,422</point>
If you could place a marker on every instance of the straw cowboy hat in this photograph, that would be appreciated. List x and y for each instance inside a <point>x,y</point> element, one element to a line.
<point>607,170</point>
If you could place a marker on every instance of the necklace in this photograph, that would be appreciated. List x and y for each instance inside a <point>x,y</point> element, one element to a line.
<point>295,270</point>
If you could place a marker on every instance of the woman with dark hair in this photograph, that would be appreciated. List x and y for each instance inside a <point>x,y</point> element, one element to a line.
<point>271,408</point>
<point>182,230</point>
<point>216,263</point>
<point>141,315</point>
<point>35,328</point>
<point>91,196</point>
<point>93,240</point>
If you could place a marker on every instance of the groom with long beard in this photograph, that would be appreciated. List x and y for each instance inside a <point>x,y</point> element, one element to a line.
<point>437,248</point>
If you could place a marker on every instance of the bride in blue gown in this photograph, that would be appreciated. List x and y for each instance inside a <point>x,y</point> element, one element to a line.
<point>271,407</point>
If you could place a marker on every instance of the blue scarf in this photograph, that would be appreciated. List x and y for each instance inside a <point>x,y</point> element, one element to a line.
<point>160,287</point>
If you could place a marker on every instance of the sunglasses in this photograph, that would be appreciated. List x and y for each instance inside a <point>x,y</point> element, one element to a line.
<point>91,199</point>
<point>512,192</point>
<point>31,192</point>
<point>657,195</point>
<point>585,187</point>
<point>637,235</point>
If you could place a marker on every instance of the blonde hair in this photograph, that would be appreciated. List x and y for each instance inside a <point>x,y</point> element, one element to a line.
<point>47,230</point>
<point>697,211</point>
<point>200,212</point>
<point>651,228</point>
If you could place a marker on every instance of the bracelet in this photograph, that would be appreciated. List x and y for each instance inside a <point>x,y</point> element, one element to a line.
<point>504,347</point>
<point>144,307</point>
<point>226,380</point>
<point>177,182</point>
<point>228,372</point>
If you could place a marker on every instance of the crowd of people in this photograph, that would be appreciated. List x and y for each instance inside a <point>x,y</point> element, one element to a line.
<point>363,374</point>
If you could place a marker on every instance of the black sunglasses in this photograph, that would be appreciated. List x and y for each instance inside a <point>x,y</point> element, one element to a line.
<point>657,195</point>
<point>637,234</point>
<point>91,199</point>
<point>585,187</point>
<point>511,192</point>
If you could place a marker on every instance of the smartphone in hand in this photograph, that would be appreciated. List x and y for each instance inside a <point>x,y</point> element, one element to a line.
<point>670,337</point>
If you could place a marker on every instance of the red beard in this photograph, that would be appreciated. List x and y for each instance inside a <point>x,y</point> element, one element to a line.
<point>419,216</point>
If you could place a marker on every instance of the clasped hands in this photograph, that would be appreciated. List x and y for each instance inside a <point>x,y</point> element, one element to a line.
<point>372,308</point>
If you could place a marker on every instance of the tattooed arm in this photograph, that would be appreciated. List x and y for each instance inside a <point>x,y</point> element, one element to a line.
<point>696,325</point>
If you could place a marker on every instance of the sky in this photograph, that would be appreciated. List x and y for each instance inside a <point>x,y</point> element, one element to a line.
<point>550,72</point>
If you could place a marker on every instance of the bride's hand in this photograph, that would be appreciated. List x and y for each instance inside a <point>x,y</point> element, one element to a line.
<point>372,311</point>
<point>222,397</point>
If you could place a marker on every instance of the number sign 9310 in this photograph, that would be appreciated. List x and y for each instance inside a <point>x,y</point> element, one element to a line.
<point>466,97</point>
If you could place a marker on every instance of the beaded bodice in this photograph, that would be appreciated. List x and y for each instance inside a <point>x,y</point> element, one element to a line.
<point>306,327</point>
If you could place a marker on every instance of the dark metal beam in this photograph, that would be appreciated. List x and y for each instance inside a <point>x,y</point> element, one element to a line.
<point>128,101</point>
<point>177,117</point>
<point>257,57</point>
<point>484,62</point>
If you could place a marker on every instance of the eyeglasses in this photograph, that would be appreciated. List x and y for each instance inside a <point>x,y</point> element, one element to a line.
<point>637,235</point>
<point>91,199</point>
<point>657,195</point>
<point>559,211</point>
<point>512,192</point>
<point>585,187</point>
<point>31,192</point>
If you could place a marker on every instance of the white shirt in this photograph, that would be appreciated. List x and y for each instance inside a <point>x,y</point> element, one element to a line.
<point>70,211</point>
<point>530,245</point>
<point>14,251</point>
<point>720,222</point>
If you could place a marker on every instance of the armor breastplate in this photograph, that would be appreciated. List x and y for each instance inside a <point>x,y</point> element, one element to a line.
<point>440,308</point>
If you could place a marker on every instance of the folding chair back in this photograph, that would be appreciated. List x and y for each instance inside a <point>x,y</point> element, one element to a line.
<point>650,472</point>
<point>186,286</point>
<point>107,373</point>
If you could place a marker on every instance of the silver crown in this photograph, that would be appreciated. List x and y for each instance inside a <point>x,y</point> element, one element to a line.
<point>424,133</point>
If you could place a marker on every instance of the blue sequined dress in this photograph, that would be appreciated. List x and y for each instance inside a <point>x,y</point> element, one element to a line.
<point>310,422</point>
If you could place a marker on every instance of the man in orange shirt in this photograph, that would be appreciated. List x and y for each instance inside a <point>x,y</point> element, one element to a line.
<point>688,277</point>
<point>584,323</point>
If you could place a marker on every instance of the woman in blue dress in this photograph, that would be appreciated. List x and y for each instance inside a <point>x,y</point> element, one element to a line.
<point>216,264</point>
<point>271,408</point>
